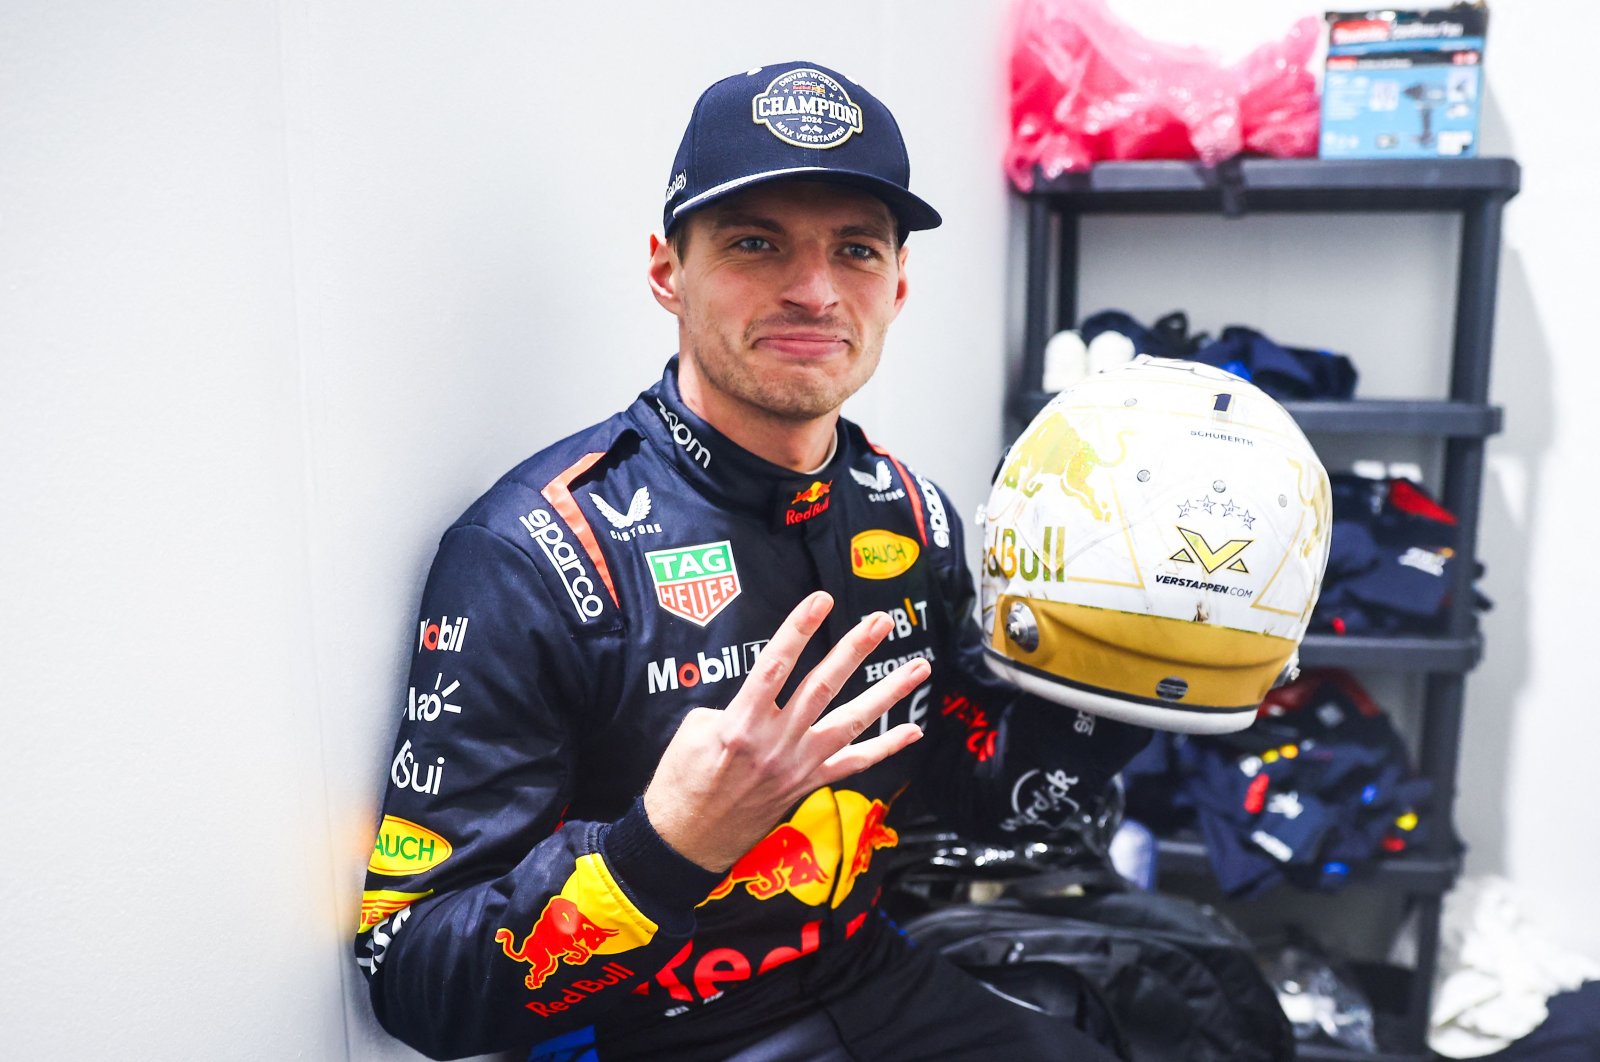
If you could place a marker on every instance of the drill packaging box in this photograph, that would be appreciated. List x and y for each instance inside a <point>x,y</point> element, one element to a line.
<point>1403,84</point>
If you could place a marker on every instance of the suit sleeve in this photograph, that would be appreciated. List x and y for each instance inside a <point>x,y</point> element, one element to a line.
<point>487,921</point>
<point>1019,768</point>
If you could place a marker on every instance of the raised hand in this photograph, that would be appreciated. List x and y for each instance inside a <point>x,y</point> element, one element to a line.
<point>727,777</point>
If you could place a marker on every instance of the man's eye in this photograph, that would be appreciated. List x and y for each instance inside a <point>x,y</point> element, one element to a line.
<point>861,251</point>
<point>752,243</point>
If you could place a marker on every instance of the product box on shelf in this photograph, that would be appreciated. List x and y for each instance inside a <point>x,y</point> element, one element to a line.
<point>1403,84</point>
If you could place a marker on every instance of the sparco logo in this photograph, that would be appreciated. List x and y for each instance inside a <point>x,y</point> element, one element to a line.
<point>730,661</point>
<point>938,523</point>
<point>684,437</point>
<point>568,565</point>
<point>807,108</point>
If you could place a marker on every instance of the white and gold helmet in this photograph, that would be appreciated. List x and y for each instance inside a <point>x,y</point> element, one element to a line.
<point>1153,546</point>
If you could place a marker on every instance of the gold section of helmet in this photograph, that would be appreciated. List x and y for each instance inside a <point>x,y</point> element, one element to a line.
<point>1181,662</point>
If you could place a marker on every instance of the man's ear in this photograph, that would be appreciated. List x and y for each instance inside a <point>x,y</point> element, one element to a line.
<point>664,270</point>
<point>902,286</point>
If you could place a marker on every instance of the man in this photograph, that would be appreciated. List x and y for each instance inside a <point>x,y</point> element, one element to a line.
<point>672,672</point>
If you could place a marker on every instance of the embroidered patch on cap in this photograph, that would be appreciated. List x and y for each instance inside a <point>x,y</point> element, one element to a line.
<point>807,108</point>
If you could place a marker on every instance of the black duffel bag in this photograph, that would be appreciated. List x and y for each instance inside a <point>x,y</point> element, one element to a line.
<point>1173,979</point>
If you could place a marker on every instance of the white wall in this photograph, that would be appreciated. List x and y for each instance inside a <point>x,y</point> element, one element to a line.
<point>284,286</point>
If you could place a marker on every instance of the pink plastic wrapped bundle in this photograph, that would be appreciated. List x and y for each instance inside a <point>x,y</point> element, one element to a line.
<point>1086,87</point>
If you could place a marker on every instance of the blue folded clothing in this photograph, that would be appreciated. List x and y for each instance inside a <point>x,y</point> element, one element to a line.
<point>1312,794</point>
<point>1285,373</point>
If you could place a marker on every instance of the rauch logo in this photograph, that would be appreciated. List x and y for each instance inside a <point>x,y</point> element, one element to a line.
<point>880,554</point>
<point>694,582</point>
<point>404,848</point>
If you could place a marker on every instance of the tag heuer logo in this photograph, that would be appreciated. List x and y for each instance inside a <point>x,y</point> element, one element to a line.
<point>695,582</point>
<point>807,108</point>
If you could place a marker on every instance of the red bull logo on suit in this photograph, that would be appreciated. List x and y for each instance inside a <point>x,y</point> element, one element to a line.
<point>587,918</point>
<point>817,855</point>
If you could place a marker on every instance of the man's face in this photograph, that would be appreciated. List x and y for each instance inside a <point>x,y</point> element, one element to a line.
<point>783,295</point>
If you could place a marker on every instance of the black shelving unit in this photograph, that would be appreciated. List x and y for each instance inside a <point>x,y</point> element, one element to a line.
<point>1462,420</point>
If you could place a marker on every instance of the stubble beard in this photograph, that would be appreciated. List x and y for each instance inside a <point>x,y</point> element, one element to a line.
<point>783,397</point>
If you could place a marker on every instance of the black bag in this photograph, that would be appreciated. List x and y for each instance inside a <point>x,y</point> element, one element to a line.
<point>1179,981</point>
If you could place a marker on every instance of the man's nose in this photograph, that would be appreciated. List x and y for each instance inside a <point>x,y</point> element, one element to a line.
<point>810,282</point>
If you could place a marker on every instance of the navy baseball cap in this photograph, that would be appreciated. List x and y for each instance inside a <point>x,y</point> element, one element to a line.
<point>792,121</point>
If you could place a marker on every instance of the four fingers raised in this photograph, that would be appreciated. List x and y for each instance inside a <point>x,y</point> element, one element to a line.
<point>777,658</point>
<point>825,741</point>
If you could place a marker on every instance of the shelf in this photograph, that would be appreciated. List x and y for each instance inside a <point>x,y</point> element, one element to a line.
<point>1294,185</point>
<point>1185,856</point>
<point>1475,192</point>
<point>1362,416</point>
<point>1397,416</point>
<point>1392,652</point>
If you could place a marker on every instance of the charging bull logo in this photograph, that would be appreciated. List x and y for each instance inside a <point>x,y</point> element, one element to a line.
<point>590,916</point>
<point>782,861</point>
<point>1053,448</point>
<point>873,836</point>
<point>562,932</point>
<point>808,504</point>
<point>818,854</point>
<point>814,493</point>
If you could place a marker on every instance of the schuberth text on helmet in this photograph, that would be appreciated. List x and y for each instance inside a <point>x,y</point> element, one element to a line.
<point>792,121</point>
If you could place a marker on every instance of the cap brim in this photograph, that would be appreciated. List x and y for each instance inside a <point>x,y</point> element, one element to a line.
<point>910,211</point>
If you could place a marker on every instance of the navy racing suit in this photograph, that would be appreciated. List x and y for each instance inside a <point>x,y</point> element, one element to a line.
<point>573,615</point>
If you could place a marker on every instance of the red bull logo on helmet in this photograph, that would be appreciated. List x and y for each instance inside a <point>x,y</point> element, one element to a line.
<point>589,917</point>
